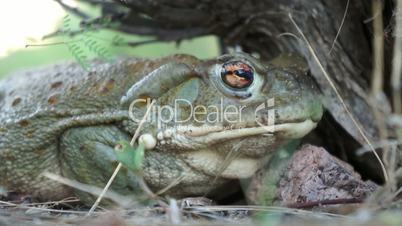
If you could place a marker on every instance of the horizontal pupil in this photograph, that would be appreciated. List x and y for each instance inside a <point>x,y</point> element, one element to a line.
<point>244,74</point>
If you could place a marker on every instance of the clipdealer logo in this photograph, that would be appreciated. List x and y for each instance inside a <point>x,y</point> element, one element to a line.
<point>264,113</point>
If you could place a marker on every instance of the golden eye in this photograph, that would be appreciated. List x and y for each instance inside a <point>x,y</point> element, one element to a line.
<point>237,74</point>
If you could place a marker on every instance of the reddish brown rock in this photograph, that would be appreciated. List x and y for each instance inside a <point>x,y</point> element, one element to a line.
<point>315,176</point>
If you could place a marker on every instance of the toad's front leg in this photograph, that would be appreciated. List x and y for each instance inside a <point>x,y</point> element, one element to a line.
<point>87,155</point>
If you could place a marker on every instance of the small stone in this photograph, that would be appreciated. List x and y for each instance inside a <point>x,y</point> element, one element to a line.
<point>313,175</point>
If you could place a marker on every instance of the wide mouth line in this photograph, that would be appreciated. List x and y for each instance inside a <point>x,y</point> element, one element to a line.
<point>216,133</point>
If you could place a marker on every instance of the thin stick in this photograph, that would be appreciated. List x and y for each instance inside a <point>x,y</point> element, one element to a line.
<point>73,10</point>
<point>135,136</point>
<point>340,97</point>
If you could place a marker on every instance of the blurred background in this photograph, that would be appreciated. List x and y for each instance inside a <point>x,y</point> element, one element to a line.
<point>24,23</point>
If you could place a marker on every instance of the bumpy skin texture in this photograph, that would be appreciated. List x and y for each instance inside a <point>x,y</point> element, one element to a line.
<point>66,121</point>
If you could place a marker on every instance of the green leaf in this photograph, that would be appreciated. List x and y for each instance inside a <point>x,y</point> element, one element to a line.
<point>131,157</point>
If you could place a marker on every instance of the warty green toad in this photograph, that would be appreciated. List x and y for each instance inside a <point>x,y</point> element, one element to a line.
<point>212,120</point>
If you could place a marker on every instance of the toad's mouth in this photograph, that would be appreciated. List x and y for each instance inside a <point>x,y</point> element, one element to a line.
<point>194,137</point>
<point>211,134</point>
<point>197,141</point>
<point>213,164</point>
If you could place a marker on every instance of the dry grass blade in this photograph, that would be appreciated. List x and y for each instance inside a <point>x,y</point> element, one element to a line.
<point>273,209</point>
<point>122,200</point>
<point>378,75</point>
<point>172,184</point>
<point>396,75</point>
<point>5,203</point>
<point>174,212</point>
<point>102,194</point>
<point>137,131</point>
<point>340,26</point>
<point>339,96</point>
<point>41,209</point>
<point>232,155</point>
<point>135,136</point>
<point>50,203</point>
<point>378,48</point>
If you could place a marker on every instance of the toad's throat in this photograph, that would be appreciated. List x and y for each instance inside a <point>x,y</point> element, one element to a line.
<point>213,164</point>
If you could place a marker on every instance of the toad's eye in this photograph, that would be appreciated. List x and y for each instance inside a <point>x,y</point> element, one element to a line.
<point>237,74</point>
